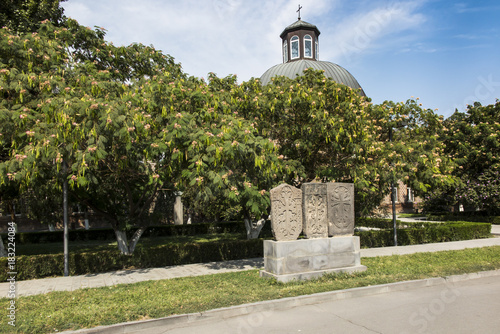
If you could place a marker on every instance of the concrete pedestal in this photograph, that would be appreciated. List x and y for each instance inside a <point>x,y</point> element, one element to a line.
<point>310,258</point>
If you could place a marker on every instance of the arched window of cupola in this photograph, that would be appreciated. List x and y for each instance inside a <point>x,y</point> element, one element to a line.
<point>285,51</point>
<point>317,50</point>
<point>308,52</point>
<point>295,47</point>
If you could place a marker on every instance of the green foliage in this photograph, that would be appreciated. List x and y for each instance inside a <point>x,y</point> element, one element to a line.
<point>69,98</point>
<point>27,15</point>
<point>151,231</point>
<point>328,132</point>
<point>419,233</point>
<point>471,140</point>
<point>127,122</point>
<point>482,193</point>
<point>469,216</point>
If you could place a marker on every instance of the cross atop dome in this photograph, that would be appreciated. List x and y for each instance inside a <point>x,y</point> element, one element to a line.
<point>298,11</point>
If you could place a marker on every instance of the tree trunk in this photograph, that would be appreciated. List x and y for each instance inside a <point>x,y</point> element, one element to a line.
<point>121,239</point>
<point>10,205</point>
<point>3,251</point>
<point>254,228</point>
<point>135,238</point>
<point>12,210</point>
<point>125,247</point>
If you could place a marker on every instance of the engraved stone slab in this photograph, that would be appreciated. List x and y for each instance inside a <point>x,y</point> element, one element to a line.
<point>340,209</point>
<point>315,210</point>
<point>286,212</point>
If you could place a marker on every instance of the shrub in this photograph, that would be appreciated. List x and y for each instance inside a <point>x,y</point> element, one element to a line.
<point>152,231</point>
<point>421,233</point>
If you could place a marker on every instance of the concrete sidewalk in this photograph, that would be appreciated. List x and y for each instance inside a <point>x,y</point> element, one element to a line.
<point>71,283</point>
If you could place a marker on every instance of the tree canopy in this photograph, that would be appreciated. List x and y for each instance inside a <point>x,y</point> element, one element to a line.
<point>328,132</point>
<point>26,15</point>
<point>120,124</point>
<point>126,121</point>
<point>471,139</point>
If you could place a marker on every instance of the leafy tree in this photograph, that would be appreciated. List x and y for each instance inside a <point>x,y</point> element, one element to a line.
<point>330,133</point>
<point>58,108</point>
<point>471,140</point>
<point>26,15</point>
<point>415,153</point>
<point>482,192</point>
<point>126,121</point>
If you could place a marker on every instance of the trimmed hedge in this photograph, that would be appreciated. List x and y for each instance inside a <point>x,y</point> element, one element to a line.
<point>419,232</point>
<point>39,266</point>
<point>152,231</point>
<point>467,218</point>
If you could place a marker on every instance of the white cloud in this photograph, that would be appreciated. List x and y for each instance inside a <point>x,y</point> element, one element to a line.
<point>368,37</point>
<point>221,36</point>
<point>376,28</point>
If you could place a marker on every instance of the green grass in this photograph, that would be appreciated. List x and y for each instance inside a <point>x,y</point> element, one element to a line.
<point>100,245</point>
<point>58,311</point>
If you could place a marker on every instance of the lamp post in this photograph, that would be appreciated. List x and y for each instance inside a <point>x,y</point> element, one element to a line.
<point>393,199</point>
<point>65,218</point>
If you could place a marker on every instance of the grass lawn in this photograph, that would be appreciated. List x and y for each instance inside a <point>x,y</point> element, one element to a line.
<point>58,311</point>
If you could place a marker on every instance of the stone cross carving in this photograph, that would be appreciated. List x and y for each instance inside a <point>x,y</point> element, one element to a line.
<point>286,212</point>
<point>340,209</point>
<point>315,210</point>
<point>319,210</point>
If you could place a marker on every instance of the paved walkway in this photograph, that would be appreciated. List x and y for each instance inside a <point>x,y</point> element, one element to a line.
<point>71,283</point>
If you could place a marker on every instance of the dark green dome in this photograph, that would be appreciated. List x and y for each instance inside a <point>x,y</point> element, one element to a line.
<point>293,69</point>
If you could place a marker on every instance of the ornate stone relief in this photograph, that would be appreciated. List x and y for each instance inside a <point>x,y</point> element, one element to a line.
<point>315,210</point>
<point>340,209</point>
<point>286,212</point>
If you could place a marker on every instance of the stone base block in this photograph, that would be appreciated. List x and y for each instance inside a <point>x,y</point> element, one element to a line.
<point>309,258</point>
<point>310,275</point>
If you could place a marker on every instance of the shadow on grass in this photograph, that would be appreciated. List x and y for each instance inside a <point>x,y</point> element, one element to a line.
<point>236,264</point>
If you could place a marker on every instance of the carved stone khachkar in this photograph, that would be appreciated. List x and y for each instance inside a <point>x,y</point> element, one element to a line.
<point>340,209</point>
<point>286,212</point>
<point>315,210</point>
<point>318,210</point>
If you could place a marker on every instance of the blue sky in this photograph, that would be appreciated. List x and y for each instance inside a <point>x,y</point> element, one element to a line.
<point>447,53</point>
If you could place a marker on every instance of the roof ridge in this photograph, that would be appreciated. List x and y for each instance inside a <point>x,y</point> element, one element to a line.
<point>298,25</point>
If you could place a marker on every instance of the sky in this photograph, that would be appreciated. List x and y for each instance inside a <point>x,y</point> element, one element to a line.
<point>446,53</point>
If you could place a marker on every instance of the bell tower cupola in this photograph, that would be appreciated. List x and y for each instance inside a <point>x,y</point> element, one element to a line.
<point>300,40</point>
<point>300,47</point>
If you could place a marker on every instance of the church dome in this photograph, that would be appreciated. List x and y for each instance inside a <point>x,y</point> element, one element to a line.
<point>300,45</point>
<point>293,69</point>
